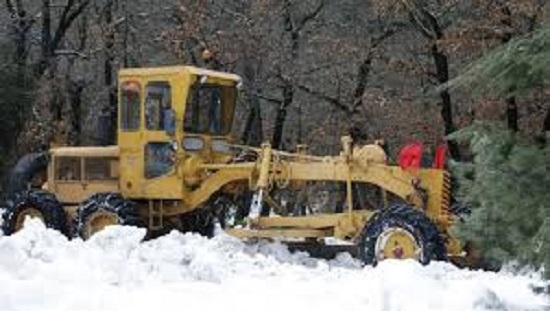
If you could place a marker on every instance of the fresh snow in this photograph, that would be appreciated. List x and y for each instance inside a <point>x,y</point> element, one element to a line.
<point>41,270</point>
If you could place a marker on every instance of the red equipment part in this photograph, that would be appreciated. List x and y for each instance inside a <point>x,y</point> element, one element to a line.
<point>440,157</point>
<point>410,156</point>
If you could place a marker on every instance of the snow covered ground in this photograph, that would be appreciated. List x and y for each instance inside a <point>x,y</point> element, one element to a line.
<point>41,270</point>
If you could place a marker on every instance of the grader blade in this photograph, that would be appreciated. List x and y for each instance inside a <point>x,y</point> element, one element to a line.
<point>279,233</point>
<point>320,250</point>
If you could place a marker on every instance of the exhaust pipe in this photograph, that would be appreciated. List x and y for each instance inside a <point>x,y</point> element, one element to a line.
<point>23,172</point>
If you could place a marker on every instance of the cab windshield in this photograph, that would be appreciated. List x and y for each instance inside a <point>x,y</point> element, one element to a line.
<point>209,109</point>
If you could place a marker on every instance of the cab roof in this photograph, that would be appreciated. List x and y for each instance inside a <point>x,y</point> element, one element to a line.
<point>168,70</point>
<point>107,151</point>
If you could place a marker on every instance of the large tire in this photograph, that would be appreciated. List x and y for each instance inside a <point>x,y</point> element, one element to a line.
<point>401,231</point>
<point>104,209</point>
<point>34,203</point>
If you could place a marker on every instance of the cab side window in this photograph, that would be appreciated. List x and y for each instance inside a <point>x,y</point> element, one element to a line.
<point>101,169</point>
<point>130,110</point>
<point>204,110</point>
<point>67,169</point>
<point>157,105</point>
<point>159,159</point>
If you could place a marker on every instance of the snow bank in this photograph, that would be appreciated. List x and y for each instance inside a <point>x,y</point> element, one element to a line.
<point>41,270</point>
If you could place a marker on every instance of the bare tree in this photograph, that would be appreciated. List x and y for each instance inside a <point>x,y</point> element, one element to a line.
<point>426,18</point>
<point>52,38</point>
<point>20,25</point>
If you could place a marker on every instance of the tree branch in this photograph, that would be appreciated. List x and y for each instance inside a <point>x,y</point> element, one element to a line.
<point>334,101</point>
<point>11,8</point>
<point>310,16</point>
<point>434,24</point>
<point>289,22</point>
<point>385,35</point>
<point>247,20</point>
<point>420,25</point>
<point>70,53</point>
<point>65,21</point>
<point>365,69</point>
<point>322,67</point>
<point>266,98</point>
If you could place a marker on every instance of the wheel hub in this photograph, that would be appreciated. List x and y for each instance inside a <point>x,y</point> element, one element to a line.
<point>29,211</point>
<point>397,243</point>
<point>98,221</point>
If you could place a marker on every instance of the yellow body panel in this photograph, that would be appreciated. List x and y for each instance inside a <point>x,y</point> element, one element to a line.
<point>81,187</point>
<point>78,191</point>
<point>132,155</point>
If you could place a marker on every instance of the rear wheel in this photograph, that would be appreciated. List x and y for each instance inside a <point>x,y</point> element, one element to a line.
<point>401,232</point>
<point>102,210</point>
<point>37,204</point>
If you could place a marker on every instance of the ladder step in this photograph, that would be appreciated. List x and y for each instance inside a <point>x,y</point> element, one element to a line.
<point>155,215</point>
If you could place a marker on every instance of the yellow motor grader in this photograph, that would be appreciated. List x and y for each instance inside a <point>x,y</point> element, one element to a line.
<point>175,167</point>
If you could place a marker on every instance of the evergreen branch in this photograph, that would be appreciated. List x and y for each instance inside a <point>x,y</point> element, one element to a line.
<point>518,66</point>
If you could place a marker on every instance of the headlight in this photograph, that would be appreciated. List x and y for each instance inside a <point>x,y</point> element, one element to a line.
<point>220,145</point>
<point>193,143</point>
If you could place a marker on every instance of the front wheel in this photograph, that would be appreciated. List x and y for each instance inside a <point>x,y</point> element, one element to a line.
<point>401,232</point>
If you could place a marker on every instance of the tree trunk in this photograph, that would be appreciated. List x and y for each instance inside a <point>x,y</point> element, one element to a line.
<point>125,35</point>
<point>288,96</point>
<point>253,133</point>
<point>362,77</point>
<point>288,87</point>
<point>45,44</point>
<point>511,104</point>
<point>83,32</point>
<point>46,50</point>
<point>20,26</point>
<point>21,51</point>
<point>75,98</point>
<point>293,28</point>
<point>512,113</point>
<point>442,71</point>
<point>108,78</point>
<point>542,138</point>
<point>441,62</point>
<point>546,125</point>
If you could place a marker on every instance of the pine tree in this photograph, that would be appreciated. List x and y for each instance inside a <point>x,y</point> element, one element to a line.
<point>507,184</point>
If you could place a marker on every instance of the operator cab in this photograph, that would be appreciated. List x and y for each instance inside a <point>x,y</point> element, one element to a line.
<point>167,115</point>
